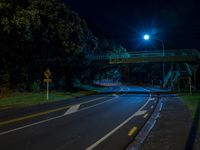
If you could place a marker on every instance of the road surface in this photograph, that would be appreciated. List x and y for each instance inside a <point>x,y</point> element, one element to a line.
<point>104,121</point>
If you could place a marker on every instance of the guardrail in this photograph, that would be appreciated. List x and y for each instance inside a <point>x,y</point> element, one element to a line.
<point>157,53</point>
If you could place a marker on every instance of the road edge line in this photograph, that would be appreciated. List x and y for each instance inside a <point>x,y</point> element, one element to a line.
<point>46,112</point>
<point>119,126</point>
<point>144,132</point>
<point>53,118</point>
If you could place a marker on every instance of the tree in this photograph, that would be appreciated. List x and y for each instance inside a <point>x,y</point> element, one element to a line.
<point>36,34</point>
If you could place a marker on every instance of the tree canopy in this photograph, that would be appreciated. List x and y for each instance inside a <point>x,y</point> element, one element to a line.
<point>36,34</point>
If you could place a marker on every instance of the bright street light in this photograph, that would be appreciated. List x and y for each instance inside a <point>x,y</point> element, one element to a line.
<point>146,37</point>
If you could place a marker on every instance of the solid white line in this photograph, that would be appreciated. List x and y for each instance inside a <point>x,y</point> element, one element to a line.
<point>98,104</point>
<point>115,129</point>
<point>72,109</point>
<point>53,118</point>
<point>26,126</point>
<point>50,119</point>
<point>93,100</point>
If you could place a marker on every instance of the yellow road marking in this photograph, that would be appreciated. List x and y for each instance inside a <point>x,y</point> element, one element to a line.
<point>33,115</point>
<point>132,131</point>
<point>146,115</point>
<point>43,113</point>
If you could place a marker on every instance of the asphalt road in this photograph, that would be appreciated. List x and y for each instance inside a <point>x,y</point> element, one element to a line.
<point>104,122</point>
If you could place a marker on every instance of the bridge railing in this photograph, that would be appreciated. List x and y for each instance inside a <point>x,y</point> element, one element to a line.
<point>157,53</point>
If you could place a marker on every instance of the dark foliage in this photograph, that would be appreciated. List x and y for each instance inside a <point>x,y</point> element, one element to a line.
<point>37,34</point>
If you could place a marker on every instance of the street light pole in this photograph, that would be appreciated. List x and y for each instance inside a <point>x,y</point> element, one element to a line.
<point>147,37</point>
<point>163,54</point>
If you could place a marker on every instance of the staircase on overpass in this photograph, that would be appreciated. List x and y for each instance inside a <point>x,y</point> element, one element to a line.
<point>174,76</point>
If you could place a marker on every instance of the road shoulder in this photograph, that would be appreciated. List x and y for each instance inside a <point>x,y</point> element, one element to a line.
<point>172,130</point>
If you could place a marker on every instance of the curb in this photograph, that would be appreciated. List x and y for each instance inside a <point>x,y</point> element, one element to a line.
<point>144,132</point>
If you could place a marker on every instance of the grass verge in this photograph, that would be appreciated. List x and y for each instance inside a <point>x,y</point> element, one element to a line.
<point>28,99</point>
<point>191,101</point>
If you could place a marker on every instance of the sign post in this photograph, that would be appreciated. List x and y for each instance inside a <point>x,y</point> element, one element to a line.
<point>47,75</point>
<point>47,90</point>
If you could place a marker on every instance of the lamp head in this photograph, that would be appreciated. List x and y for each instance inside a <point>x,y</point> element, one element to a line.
<point>146,37</point>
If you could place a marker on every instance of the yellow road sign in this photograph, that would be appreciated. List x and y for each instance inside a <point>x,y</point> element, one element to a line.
<point>47,73</point>
<point>47,80</point>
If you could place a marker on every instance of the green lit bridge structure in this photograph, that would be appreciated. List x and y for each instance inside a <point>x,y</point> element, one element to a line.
<point>185,55</point>
<point>183,63</point>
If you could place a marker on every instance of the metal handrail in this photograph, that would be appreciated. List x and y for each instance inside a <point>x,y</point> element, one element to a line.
<point>182,52</point>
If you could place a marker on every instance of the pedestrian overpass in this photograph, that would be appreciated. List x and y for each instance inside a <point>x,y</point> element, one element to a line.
<point>183,55</point>
<point>189,58</point>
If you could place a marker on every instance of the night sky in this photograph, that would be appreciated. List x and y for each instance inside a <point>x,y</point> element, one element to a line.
<point>176,22</point>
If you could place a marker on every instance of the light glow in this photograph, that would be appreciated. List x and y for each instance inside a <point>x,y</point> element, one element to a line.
<point>146,37</point>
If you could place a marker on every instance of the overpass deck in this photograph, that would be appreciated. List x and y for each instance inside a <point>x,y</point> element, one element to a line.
<point>186,55</point>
